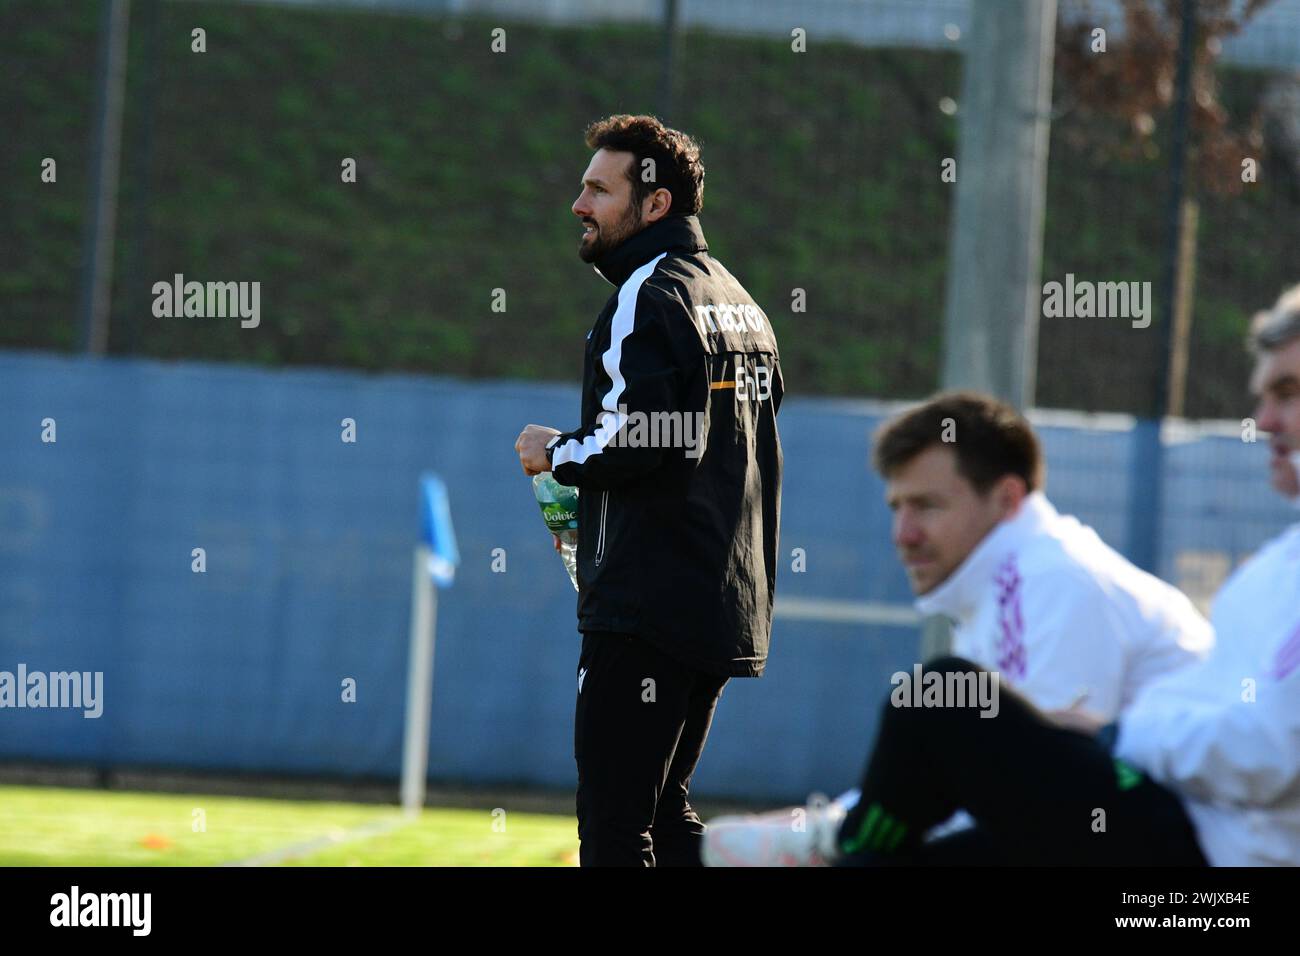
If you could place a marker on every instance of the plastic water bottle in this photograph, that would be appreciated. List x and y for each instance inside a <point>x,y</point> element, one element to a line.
<point>559,505</point>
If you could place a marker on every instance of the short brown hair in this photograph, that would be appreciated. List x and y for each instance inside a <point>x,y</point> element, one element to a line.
<point>991,439</point>
<point>676,157</point>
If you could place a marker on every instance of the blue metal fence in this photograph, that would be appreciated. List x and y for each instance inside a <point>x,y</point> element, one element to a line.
<point>307,541</point>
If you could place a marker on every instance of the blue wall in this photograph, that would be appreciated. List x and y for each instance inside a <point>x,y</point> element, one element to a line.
<point>309,539</point>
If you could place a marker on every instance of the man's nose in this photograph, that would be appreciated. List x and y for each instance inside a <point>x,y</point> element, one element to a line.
<point>1266,419</point>
<point>907,533</point>
<point>580,207</point>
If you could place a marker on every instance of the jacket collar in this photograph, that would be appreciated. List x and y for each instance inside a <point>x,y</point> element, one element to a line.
<point>670,234</point>
<point>960,596</point>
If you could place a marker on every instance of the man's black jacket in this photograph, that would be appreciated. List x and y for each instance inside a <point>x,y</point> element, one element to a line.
<point>678,461</point>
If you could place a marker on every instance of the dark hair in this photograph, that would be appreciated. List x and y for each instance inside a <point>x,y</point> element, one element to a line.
<point>676,157</point>
<point>991,439</point>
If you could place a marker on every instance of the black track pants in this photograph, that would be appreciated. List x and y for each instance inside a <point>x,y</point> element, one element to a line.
<point>641,722</point>
<point>1040,794</point>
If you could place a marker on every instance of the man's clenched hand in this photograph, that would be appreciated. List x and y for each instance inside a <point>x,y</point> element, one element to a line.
<point>531,445</point>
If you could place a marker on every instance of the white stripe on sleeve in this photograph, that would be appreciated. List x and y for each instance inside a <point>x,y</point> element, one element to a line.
<point>610,418</point>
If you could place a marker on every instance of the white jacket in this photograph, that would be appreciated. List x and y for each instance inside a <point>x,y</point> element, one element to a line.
<point>1225,734</point>
<point>1046,603</point>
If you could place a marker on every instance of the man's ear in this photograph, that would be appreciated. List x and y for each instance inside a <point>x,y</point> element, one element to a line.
<point>1011,491</point>
<point>661,200</point>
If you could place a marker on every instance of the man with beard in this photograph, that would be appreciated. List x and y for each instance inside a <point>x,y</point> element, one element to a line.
<point>678,463</point>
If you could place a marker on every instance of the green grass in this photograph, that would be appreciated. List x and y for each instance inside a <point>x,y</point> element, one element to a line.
<point>47,826</point>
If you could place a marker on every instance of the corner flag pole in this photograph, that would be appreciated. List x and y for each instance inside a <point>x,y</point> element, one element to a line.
<point>436,558</point>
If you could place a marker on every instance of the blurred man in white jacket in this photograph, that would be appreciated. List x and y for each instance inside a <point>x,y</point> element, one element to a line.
<point>1033,594</point>
<point>1202,768</point>
<point>1225,735</point>
<point>1036,596</point>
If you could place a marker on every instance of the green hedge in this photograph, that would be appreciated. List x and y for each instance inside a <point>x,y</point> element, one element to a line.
<point>823,174</point>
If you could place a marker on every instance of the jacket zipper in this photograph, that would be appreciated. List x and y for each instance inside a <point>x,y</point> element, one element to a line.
<point>600,537</point>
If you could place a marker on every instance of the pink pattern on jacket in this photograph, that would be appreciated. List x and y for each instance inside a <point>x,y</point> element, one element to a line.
<point>1011,654</point>
<point>1288,656</point>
